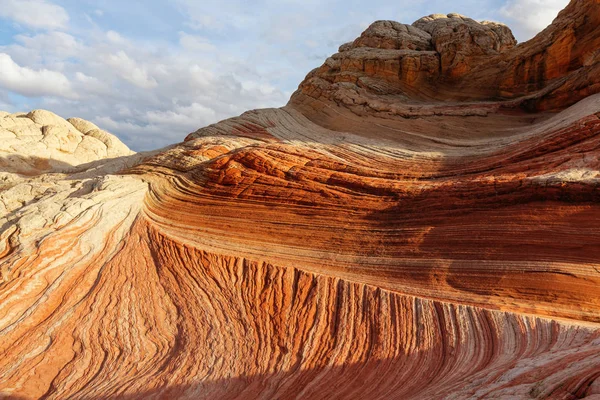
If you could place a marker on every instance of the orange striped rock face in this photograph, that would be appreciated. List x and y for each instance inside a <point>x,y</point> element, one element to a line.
<point>390,247</point>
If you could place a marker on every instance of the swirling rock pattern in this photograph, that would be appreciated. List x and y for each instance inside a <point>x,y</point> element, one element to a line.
<point>387,248</point>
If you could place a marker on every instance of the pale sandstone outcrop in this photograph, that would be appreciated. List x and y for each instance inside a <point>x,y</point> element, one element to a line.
<point>41,141</point>
<point>386,247</point>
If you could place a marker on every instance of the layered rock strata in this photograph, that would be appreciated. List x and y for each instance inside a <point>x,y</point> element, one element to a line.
<point>394,68</point>
<point>372,239</point>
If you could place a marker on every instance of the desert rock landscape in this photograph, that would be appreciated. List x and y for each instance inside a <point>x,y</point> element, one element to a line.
<point>420,221</point>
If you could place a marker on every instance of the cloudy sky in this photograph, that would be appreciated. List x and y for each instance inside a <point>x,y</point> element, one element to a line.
<point>152,71</point>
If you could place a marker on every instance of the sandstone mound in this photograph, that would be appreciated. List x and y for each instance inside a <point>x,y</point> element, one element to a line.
<point>41,141</point>
<point>419,222</point>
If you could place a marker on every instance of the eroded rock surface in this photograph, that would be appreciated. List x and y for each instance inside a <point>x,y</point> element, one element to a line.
<point>442,58</point>
<point>368,240</point>
<point>41,141</point>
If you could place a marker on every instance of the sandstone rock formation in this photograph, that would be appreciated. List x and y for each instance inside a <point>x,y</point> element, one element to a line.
<point>394,68</point>
<point>41,141</point>
<point>419,222</point>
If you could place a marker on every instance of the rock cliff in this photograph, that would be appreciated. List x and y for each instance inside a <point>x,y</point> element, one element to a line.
<point>419,222</point>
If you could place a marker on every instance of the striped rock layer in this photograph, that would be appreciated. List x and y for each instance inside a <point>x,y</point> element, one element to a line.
<point>396,247</point>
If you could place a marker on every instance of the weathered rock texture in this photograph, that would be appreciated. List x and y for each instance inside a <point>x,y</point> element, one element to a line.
<point>414,224</point>
<point>41,141</point>
<point>393,68</point>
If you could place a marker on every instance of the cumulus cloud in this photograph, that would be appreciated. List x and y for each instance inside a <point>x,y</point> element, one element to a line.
<point>130,70</point>
<point>29,82</point>
<point>61,44</point>
<point>148,95</point>
<point>186,117</point>
<point>37,14</point>
<point>90,85</point>
<point>531,16</point>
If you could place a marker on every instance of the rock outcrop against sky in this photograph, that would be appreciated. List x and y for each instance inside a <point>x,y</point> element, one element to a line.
<point>419,222</point>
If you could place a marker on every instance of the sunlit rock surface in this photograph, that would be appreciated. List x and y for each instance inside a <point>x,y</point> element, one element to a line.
<point>419,222</point>
<point>40,141</point>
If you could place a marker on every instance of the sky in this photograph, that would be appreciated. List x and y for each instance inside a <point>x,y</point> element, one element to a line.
<point>151,71</point>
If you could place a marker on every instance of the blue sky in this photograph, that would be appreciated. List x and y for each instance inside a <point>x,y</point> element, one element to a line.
<point>152,71</point>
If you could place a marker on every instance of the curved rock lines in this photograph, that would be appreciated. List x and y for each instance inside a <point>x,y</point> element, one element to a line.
<point>264,264</point>
<point>364,241</point>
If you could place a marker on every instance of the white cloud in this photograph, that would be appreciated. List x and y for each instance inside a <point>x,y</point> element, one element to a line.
<point>531,16</point>
<point>37,14</point>
<point>153,92</point>
<point>114,37</point>
<point>111,124</point>
<point>59,43</point>
<point>186,117</point>
<point>129,70</point>
<point>90,85</point>
<point>32,83</point>
<point>149,95</point>
<point>195,42</point>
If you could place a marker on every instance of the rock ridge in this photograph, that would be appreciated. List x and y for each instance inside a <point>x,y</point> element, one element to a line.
<point>420,221</point>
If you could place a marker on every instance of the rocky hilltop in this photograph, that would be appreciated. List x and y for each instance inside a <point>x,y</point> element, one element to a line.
<point>392,67</point>
<point>420,221</point>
